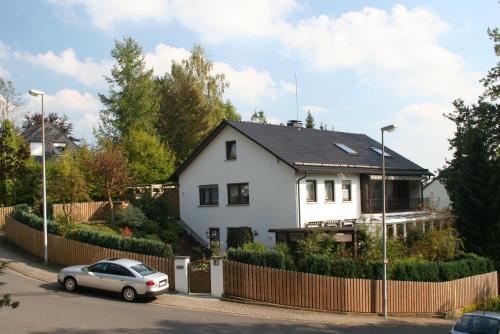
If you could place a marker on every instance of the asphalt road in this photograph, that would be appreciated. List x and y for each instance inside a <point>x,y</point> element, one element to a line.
<point>46,308</point>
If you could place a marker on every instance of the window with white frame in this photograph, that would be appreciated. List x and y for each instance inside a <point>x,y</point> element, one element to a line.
<point>346,191</point>
<point>209,194</point>
<point>36,149</point>
<point>58,148</point>
<point>330,191</point>
<point>311,190</point>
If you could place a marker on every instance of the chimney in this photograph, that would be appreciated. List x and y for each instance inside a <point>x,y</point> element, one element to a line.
<point>294,123</point>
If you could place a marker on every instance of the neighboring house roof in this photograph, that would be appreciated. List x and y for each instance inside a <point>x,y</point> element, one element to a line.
<point>314,150</point>
<point>52,135</point>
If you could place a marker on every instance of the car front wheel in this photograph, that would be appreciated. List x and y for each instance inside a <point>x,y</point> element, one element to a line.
<point>129,294</point>
<point>69,284</point>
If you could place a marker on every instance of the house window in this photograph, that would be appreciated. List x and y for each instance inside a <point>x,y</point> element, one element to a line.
<point>346,191</point>
<point>311,190</point>
<point>58,148</point>
<point>330,191</point>
<point>231,150</point>
<point>209,195</point>
<point>36,149</point>
<point>238,193</point>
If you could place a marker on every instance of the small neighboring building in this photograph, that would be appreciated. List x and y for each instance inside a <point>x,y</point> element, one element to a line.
<point>275,180</point>
<point>436,195</point>
<point>55,141</point>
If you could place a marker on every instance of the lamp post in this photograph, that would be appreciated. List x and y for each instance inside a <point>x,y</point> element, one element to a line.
<point>388,128</point>
<point>34,92</point>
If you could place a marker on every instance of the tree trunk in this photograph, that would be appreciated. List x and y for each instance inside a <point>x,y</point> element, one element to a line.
<point>111,207</point>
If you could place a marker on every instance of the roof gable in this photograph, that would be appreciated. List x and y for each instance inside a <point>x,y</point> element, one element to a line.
<point>314,150</point>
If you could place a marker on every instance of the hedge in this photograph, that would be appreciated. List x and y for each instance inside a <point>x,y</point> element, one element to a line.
<point>88,235</point>
<point>408,270</point>
<point>268,258</point>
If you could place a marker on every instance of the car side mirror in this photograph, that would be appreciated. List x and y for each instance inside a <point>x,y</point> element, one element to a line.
<point>85,269</point>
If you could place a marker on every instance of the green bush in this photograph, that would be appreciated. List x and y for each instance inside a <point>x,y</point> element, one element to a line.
<point>316,264</point>
<point>155,208</point>
<point>488,305</point>
<point>282,248</point>
<point>130,216</point>
<point>32,220</point>
<point>255,246</point>
<point>269,258</point>
<point>108,240</point>
<point>238,236</point>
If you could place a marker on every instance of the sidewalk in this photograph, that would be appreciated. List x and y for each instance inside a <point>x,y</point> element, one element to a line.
<point>28,265</point>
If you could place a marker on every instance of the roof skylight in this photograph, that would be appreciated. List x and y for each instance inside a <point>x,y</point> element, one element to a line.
<point>345,148</point>
<point>379,151</point>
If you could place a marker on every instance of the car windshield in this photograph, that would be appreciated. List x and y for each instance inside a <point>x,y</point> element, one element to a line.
<point>143,269</point>
<point>478,325</point>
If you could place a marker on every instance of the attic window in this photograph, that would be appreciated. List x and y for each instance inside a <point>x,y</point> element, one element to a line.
<point>379,151</point>
<point>345,148</point>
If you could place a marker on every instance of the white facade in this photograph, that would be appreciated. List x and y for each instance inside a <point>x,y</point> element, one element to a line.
<point>436,195</point>
<point>272,189</point>
<point>322,209</point>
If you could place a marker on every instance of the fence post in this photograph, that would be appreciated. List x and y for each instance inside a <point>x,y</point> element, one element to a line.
<point>181,273</point>
<point>217,276</point>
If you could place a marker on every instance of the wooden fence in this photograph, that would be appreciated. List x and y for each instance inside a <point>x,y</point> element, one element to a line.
<point>84,211</point>
<point>353,295</point>
<point>4,211</point>
<point>70,252</point>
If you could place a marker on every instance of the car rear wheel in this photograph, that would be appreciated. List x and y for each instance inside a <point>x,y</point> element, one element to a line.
<point>129,294</point>
<point>70,284</point>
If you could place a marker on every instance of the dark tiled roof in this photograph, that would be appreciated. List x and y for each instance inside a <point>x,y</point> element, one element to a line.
<point>52,135</point>
<point>315,150</point>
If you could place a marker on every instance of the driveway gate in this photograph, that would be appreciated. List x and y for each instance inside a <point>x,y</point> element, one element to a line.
<point>199,276</point>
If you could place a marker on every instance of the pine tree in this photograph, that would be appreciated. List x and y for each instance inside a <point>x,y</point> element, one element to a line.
<point>310,120</point>
<point>258,117</point>
<point>131,102</point>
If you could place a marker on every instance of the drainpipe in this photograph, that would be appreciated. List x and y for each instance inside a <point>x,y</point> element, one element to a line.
<point>298,194</point>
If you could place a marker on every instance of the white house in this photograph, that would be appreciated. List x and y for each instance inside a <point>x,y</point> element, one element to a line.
<point>436,195</point>
<point>285,178</point>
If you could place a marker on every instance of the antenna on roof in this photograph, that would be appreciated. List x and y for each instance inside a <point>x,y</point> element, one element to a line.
<point>296,96</point>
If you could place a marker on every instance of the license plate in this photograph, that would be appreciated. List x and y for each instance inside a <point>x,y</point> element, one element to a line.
<point>162,283</point>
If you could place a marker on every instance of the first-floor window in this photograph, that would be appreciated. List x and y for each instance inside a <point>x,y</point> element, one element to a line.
<point>209,195</point>
<point>346,191</point>
<point>214,234</point>
<point>311,190</point>
<point>329,191</point>
<point>238,193</point>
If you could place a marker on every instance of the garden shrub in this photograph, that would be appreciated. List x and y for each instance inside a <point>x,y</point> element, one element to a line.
<point>343,268</point>
<point>129,244</point>
<point>154,208</point>
<point>130,216</point>
<point>316,264</point>
<point>269,258</point>
<point>32,220</point>
<point>282,248</point>
<point>488,305</point>
<point>238,236</point>
<point>255,246</point>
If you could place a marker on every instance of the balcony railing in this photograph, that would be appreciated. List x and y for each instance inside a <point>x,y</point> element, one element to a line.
<point>374,205</point>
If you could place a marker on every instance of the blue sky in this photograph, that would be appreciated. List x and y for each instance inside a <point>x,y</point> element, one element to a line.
<point>360,64</point>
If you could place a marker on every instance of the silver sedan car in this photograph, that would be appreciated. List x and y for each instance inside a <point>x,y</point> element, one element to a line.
<point>478,323</point>
<point>128,277</point>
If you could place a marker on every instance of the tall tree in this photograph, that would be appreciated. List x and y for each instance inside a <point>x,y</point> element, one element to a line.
<point>258,117</point>
<point>60,122</point>
<point>10,102</point>
<point>131,102</point>
<point>111,172</point>
<point>66,183</point>
<point>191,103</point>
<point>13,155</point>
<point>150,160</point>
<point>472,176</point>
<point>310,120</point>
<point>492,80</point>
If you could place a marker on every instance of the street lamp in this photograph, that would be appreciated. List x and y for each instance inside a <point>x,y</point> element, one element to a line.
<point>388,128</point>
<point>34,92</point>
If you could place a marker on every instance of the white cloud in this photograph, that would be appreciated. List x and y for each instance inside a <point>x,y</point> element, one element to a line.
<point>247,85</point>
<point>214,20</point>
<point>82,109</point>
<point>87,71</point>
<point>422,133</point>
<point>162,57</point>
<point>314,109</point>
<point>399,47</point>
<point>105,14</point>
